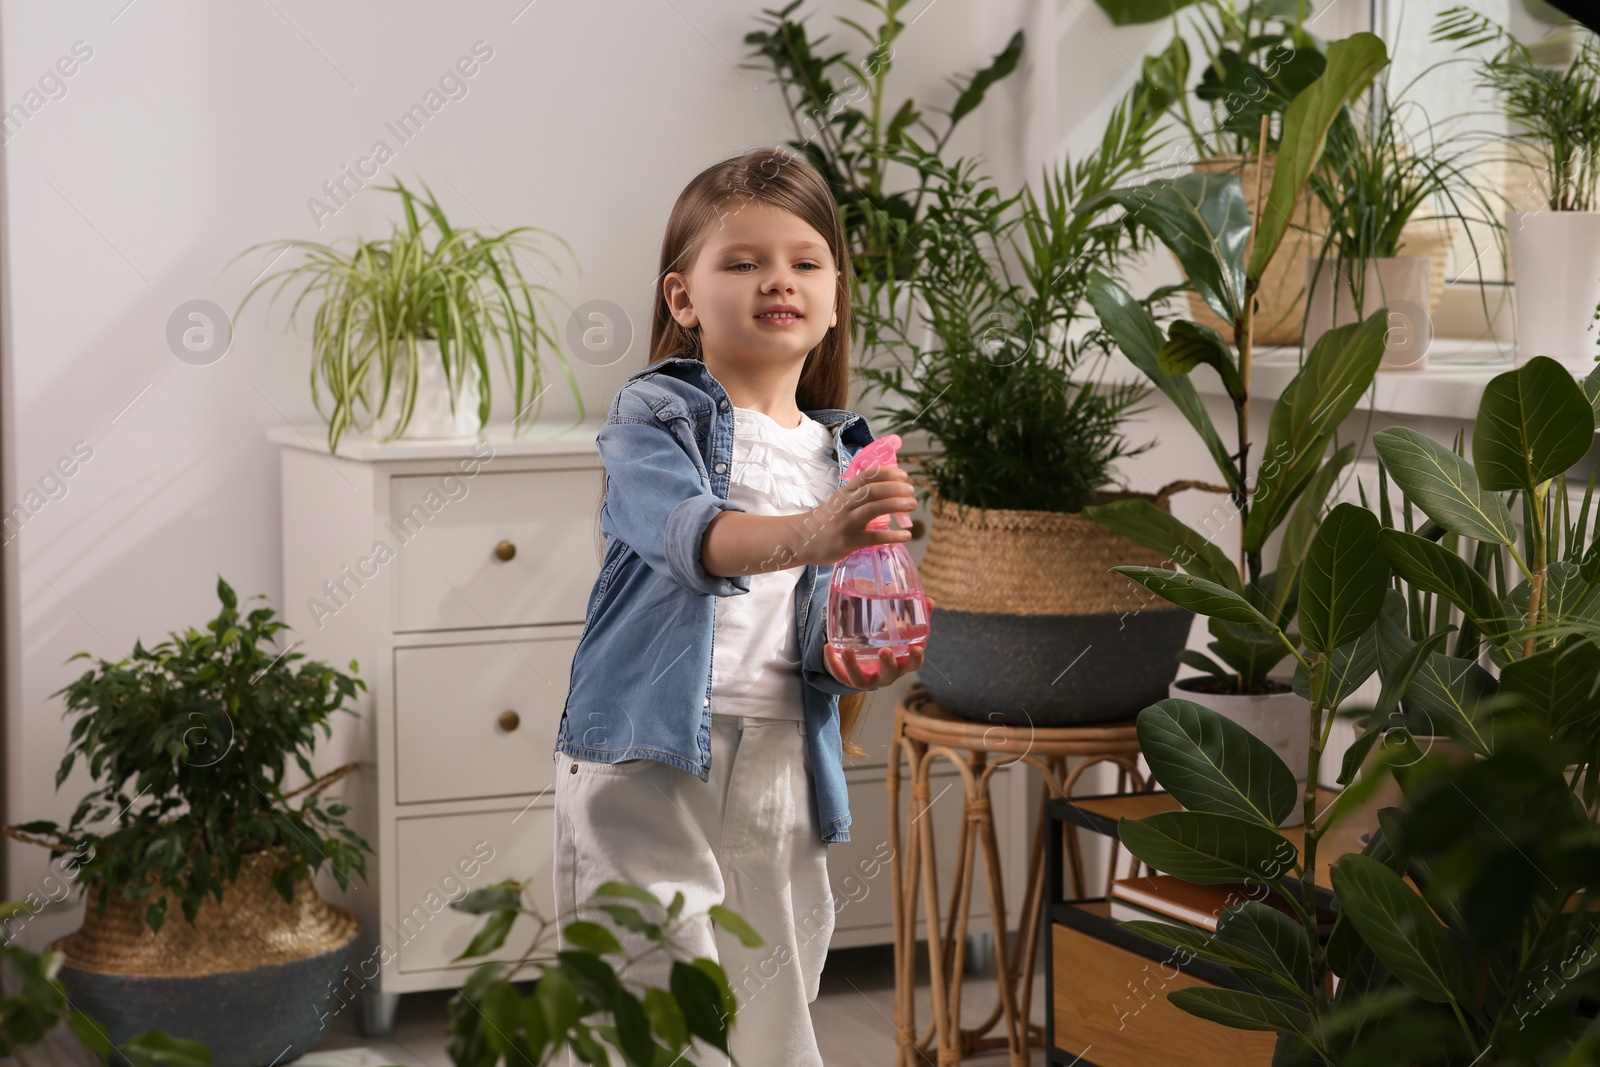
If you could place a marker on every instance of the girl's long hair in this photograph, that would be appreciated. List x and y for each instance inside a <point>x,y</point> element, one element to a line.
<point>777,177</point>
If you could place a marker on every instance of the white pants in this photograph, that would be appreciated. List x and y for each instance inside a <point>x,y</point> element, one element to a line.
<point>747,838</point>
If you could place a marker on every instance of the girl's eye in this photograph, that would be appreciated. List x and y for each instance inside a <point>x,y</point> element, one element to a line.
<point>814,266</point>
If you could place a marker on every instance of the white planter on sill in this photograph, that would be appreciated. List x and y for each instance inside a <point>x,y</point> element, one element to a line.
<point>1399,283</point>
<point>1555,268</point>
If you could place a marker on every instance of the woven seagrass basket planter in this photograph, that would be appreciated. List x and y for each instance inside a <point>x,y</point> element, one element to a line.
<point>1034,628</point>
<point>253,977</point>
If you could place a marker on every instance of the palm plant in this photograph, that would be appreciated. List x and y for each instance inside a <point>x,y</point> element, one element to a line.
<point>1556,113</point>
<point>999,295</point>
<point>846,128</point>
<point>459,287</point>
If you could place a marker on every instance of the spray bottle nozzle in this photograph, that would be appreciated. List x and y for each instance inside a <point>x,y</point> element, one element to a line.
<point>880,452</point>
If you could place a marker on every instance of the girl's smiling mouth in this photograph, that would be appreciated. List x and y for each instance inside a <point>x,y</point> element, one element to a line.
<point>779,315</point>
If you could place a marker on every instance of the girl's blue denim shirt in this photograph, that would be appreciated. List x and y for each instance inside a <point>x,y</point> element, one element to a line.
<point>641,676</point>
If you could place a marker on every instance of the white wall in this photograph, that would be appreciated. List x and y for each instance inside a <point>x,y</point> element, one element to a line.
<point>193,130</point>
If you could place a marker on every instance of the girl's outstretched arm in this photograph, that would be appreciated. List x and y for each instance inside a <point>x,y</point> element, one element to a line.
<point>742,543</point>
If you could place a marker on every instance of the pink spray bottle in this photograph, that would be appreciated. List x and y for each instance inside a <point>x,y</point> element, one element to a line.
<point>876,600</point>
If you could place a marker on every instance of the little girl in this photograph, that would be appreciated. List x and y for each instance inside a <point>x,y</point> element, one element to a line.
<point>701,747</point>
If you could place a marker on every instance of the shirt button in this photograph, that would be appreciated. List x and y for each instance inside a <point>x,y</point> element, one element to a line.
<point>707,704</point>
<point>725,405</point>
<point>720,467</point>
<point>574,768</point>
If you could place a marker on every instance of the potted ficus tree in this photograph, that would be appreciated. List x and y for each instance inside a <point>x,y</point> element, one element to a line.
<point>1466,930</point>
<point>1000,365</point>
<point>1553,106</point>
<point>202,910</point>
<point>401,335</point>
<point>1202,219</point>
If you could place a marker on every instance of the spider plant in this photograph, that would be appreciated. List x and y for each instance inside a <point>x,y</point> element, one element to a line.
<point>460,287</point>
<point>1555,113</point>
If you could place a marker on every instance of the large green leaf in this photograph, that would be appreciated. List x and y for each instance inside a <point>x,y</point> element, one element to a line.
<point>1135,332</point>
<point>1352,64</point>
<point>1443,485</point>
<point>1195,942</point>
<point>1005,61</point>
<point>1328,387</point>
<point>1591,389</point>
<point>1303,523</point>
<point>1533,424</point>
<point>1141,522</point>
<point>1208,849</point>
<point>1441,694</point>
<point>1199,596</point>
<point>1241,1011</point>
<point>1557,684</point>
<point>1398,926</point>
<point>1203,219</point>
<point>1135,12</point>
<point>1190,344</point>
<point>1272,937</point>
<point>1341,589</point>
<point>1432,568</point>
<point>1349,667</point>
<point>1209,763</point>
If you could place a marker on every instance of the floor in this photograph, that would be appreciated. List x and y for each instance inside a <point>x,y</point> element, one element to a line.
<point>852,1015</point>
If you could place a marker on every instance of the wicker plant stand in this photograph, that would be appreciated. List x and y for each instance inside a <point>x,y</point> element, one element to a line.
<point>923,731</point>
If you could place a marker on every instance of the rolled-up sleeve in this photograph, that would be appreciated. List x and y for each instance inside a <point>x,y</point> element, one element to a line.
<point>656,501</point>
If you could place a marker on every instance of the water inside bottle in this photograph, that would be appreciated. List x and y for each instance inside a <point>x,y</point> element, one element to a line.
<point>866,624</point>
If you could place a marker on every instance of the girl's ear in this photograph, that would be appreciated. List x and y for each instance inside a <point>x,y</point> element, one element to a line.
<point>678,302</point>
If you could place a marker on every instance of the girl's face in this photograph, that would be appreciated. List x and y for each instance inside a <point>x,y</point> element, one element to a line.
<point>751,260</point>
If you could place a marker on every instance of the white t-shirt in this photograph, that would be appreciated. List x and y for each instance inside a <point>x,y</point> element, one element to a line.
<point>755,656</point>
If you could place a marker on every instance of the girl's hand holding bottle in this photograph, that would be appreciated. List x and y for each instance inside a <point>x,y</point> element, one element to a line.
<point>877,608</point>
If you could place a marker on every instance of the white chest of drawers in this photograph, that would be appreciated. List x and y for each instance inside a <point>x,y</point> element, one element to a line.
<point>457,576</point>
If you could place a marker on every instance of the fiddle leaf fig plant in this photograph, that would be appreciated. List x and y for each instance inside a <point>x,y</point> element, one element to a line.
<point>1202,218</point>
<point>1466,930</point>
<point>189,741</point>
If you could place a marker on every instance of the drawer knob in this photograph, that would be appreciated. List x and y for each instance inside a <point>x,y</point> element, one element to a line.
<point>505,550</point>
<point>509,720</point>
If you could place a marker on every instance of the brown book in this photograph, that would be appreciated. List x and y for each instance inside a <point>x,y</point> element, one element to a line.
<point>1202,905</point>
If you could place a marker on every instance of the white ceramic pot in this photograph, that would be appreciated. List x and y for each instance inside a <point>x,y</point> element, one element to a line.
<point>432,418</point>
<point>1401,284</point>
<point>1555,268</point>
<point>1281,720</point>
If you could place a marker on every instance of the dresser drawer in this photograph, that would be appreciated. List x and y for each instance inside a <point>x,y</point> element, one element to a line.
<point>447,534</point>
<point>450,743</point>
<point>434,855</point>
